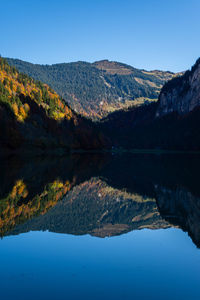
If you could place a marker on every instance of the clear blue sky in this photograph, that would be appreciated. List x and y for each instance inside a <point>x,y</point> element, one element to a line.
<point>149,34</point>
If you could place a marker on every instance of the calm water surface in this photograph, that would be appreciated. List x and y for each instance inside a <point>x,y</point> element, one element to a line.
<point>100,227</point>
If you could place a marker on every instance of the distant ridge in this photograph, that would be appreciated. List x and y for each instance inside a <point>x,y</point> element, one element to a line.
<point>96,89</point>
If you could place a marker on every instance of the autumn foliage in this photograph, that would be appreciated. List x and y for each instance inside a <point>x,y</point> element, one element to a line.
<point>13,84</point>
<point>11,213</point>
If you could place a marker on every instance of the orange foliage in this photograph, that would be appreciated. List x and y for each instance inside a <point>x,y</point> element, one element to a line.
<point>22,112</point>
<point>15,108</point>
<point>26,107</point>
<point>31,89</point>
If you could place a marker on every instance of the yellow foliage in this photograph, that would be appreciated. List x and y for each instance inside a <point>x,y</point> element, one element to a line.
<point>57,184</point>
<point>15,108</point>
<point>61,109</point>
<point>19,189</point>
<point>12,214</point>
<point>58,115</point>
<point>20,118</point>
<point>22,112</point>
<point>26,107</point>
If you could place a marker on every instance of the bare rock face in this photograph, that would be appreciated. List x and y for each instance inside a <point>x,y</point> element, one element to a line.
<point>181,94</point>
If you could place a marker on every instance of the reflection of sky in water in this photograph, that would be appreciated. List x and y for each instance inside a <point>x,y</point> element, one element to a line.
<point>144,264</point>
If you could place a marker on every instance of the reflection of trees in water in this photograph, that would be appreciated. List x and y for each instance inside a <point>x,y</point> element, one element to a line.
<point>18,207</point>
<point>111,194</point>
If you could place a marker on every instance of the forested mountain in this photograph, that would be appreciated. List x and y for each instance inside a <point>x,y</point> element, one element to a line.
<point>33,116</point>
<point>96,89</point>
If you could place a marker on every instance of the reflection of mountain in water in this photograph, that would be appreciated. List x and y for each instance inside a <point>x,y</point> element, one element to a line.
<point>101,195</point>
<point>96,208</point>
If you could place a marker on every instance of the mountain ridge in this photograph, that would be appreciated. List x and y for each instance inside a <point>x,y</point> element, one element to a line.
<point>96,89</point>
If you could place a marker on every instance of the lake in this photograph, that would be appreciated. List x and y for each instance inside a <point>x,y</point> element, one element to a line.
<point>94,226</point>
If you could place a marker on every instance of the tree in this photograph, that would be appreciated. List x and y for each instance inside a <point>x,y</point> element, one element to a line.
<point>11,85</point>
<point>5,82</point>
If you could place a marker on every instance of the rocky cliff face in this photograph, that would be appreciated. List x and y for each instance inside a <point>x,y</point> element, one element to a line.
<point>181,94</point>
